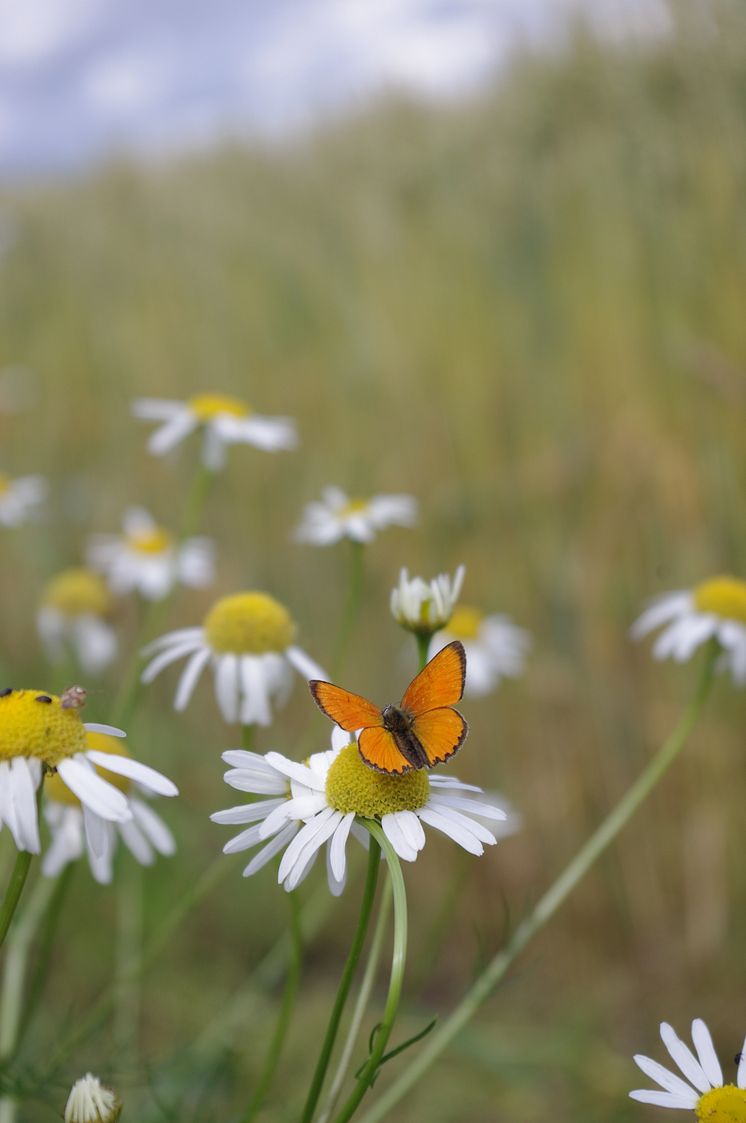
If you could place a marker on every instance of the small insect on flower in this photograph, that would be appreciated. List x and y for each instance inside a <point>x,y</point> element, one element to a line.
<point>73,698</point>
<point>422,731</point>
<point>704,1091</point>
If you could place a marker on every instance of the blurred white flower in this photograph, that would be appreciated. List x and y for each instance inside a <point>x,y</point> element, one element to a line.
<point>425,606</point>
<point>704,1090</point>
<point>146,557</point>
<point>247,638</point>
<point>144,834</point>
<point>72,616</point>
<point>495,647</point>
<point>90,1102</point>
<point>714,610</point>
<point>20,498</point>
<point>223,421</point>
<point>335,516</point>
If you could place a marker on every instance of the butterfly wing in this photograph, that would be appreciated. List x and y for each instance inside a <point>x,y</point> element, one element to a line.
<point>440,732</point>
<point>378,749</point>
<point>350,711</point>
<point>439,683</point>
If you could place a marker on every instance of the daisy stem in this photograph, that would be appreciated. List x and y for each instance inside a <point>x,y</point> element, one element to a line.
<point>286,1011</point>
<point>368,1073</point>
<point>352,603</point>
<point>423,640</point>
<point>550,902</point>
<point>46,948</point>
<point>247,737</point>
<point>361,1004</point>
<point>17,878</point>
<point>366,906</point>
<point>196,500</point>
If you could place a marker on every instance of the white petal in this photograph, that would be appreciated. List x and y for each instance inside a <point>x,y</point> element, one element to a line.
<point>397,837</point>
<point>665,1099</point>
<point>256,709</point>
<point>153,827</point>
<point>453,829</point>
<point>304,665</point>
<point>662,1076</point>
<point>741,1077</point>
<point>684,1058</point>
<point>168,436</point>
<point>660,611</point>
<point>706,1052</point>
<point>173,639</point>
<point>97,832</point>
<point>137,843</point>
<point>189,677</point>
<point>411,828</point>
<point>23,794</point>
<point>245,840</point>
<point>473,825</point>
<point>170,655</point>
<point>226,686</point>
<point>100,727</point>
<point>295,771</point>
<point>246,812</point>
<point>305,846</point>
<point>268,852</point>
<point>92,790</point>
<point>156,409</point>
<point>473,806</point>
<point>337,847</point>
<point>133,770</point>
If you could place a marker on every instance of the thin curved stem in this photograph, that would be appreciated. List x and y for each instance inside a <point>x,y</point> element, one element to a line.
<point>366,905</point>
<point>550,902</point>
<point>423,646</point>
<point>18,877</point>
<point>361,1002</point>
<point>370,1068</point>
<point>286,1010</point>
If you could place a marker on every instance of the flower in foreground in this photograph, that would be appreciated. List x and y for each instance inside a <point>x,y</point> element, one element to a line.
<point>147,558</point>
<point>144,834</point>
<point>322,801</point>
<point>714,610</point>
<point>247,638</point>
<point>90,1102</point>
<point>496,648</point>
<point>336,516</point>
<point>704,1090</point>
<point>20,498</point>
<point>44,732</point>
<point>73,616</point>
<point>424,607</point>
<point>223,421</point>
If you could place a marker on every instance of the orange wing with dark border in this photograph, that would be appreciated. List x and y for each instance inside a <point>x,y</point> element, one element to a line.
<point>348,710</point>
<point>441,733</point>
<point>378,749</point>
<point>439,683</point>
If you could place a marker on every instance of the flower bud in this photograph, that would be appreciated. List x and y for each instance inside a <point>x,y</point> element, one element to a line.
<point>90,1102</point>
<point>422,606</point>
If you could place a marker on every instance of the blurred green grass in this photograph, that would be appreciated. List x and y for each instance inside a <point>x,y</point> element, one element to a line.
<point>528,312</point>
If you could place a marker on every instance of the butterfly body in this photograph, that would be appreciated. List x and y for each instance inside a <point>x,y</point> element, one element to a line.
<point>422,731</point>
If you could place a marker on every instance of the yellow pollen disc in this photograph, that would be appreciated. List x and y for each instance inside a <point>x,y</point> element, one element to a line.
<point>723,1105</point>
<point>352,786</point>
<point>33,723</point>
<point>208,406</point>
<point>354,507</point>
<point>103,743</point>
<point>465,622</point>
<point>723,596</point>
<point>249,624</point>
<point>77,591</point>
<point>155,541</point>
<point>5,482</point>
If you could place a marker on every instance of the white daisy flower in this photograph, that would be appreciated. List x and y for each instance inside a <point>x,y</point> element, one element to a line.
<point>90,1102</point>
<point>20,498</point>
<point>223,421</point>
<point>716,609</point>
<point>426,606</point>
<point>336,516</point>
<point>496,648</point>
<point>144,835</point>
<point>73,616</point>
<point>324,800</point>
<point>247,639</point>
<point>147,558</point>
<point>704,1090</point>
<point>43,732</point>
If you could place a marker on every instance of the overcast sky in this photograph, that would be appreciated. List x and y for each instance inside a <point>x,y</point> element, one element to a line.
<point>82,78</point>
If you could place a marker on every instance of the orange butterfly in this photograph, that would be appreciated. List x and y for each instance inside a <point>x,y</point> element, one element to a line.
<point>422,731</point>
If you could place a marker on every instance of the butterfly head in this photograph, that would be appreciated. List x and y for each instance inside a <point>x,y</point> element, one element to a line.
<point>396,720</point>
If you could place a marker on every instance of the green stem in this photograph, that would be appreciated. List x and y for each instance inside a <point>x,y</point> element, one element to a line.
<point>247,737</point>
<point>423,646</point>
<point>286,1010</point>
<point>398,961</point>
<point>352,604</point>
<point>18,877</point>
<point>361,1003</point>
<point>366,905</point>
<point>546,907</point>
<point>46,949</point>
<point>129,904</point>
<point>195,504</point>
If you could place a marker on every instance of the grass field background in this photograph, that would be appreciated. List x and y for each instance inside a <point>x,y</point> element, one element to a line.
<point>528,311</point>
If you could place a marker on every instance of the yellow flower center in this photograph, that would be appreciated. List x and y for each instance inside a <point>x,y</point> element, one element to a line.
<point>465,622</point>
<point>352,786</point>
<point>5,482</point>
<point>723,1105</point>
<point>151,542</point>
<point>60,793</point>
<point>354,507</point>
<point>723,596</point>
<point>208,406</point>
<point>249,624</point>
<point>33,723</point>
<point>77,591</point>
